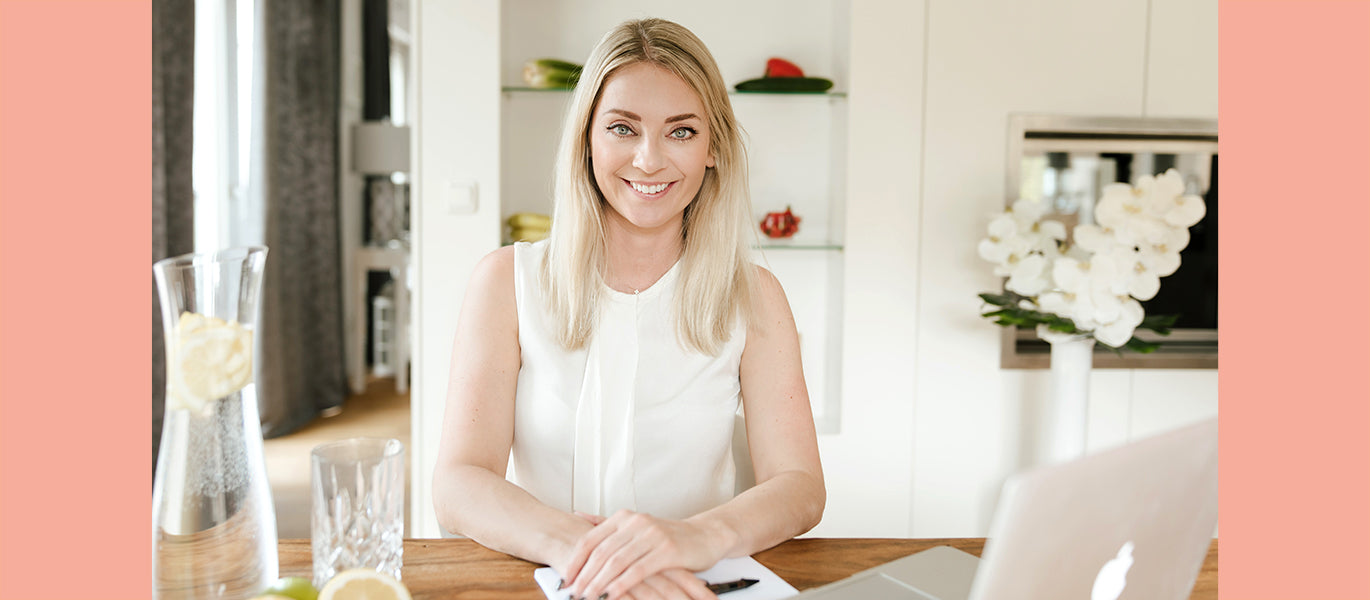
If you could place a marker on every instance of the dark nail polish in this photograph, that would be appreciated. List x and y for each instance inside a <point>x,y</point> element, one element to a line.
<point>561,583</point>
<point>604,596</point>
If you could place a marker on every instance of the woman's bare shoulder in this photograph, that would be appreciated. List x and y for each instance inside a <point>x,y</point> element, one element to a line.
<point>768,288</point>
<point>771,305</point>
<point>498,264</point>
<point>493,277</point>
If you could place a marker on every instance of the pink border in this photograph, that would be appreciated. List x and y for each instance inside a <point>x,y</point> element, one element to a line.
<point>75,309</point>
<point>1295,299</point>
<point>74,165</point>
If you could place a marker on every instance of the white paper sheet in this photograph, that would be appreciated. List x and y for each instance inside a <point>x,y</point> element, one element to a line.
<point>771,586</point>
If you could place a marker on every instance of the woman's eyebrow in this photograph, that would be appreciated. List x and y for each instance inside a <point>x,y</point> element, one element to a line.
<point>634,116</point>
<point>619,111</point>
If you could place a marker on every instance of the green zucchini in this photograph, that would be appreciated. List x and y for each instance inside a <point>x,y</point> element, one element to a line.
<point>550,73</point>
<point>785,84</point>
<point>557,65</point>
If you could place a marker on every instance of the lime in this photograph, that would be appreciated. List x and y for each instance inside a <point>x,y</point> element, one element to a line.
<point>296,588</point>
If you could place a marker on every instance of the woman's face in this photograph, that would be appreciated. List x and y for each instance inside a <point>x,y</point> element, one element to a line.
<point>649,146</point>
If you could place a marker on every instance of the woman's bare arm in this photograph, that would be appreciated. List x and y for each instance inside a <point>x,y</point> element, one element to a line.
<point>470,494</point>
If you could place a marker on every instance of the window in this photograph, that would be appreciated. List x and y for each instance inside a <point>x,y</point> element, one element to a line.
<point>220,162</point>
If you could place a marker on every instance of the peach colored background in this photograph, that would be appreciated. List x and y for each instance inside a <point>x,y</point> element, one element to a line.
<point>75,287</point>
<point>1295,299</point>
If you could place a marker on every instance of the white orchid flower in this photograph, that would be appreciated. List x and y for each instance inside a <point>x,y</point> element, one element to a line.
<point>1095,238</point>
<point>1068,305</point>
<point>1125,210</point>
<point>1049,234</point>
<point>1026,212</point>
<point>1144,285</point>
<point>1097,281</point>
<point>1030,276</point>
<point>1004,241</point>
<point>1143,280</point>
<point>1168,202</point>
<point>1186,211</point>
<point>1163,258</point>
<point>1159,263</point>
<point>1120,330</point>
<point>1165,186</point>
<point>1092,286</point>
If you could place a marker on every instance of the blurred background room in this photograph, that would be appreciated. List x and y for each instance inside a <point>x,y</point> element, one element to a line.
<point>380,148</point>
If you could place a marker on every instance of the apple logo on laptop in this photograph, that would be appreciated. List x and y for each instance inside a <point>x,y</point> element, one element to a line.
<point>1112,578</point>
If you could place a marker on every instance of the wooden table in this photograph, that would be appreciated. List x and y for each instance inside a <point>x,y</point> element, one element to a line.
<point>460,568</point>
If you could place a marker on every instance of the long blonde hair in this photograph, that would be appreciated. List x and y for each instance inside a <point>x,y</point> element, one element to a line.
<point>716,278</point>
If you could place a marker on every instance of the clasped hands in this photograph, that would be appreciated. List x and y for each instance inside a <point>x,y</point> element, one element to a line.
<point>635,556</point>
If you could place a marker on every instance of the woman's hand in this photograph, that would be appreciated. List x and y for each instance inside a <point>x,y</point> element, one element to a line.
<point>671,584</point>
<point>628,548</point>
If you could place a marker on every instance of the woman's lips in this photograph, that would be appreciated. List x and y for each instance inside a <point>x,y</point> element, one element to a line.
<point>650,189</point>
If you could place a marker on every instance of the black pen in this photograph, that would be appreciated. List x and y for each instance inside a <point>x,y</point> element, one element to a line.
<point>732,586</point>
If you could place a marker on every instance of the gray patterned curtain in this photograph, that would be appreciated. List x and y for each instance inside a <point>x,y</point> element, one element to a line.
<point>173,82</point>
<point>302,364</point>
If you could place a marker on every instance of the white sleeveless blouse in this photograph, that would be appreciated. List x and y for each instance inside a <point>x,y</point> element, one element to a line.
<point>633,420</point>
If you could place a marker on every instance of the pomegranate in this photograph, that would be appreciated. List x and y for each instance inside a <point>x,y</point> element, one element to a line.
<point>780,224</point>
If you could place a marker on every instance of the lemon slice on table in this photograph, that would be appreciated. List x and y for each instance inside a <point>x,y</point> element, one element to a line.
<point>211,358</point>
<point>363,584</point>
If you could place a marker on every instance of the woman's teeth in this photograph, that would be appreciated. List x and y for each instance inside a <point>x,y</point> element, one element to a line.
<point>648,189</point>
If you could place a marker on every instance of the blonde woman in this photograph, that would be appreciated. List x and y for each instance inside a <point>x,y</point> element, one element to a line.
<point>595,376</point>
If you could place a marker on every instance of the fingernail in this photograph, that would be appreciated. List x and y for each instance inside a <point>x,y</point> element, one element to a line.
<point>604,596</point>
<point>561,583</point>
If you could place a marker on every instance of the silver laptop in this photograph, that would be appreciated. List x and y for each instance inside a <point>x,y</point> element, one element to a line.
<point>1130,523</point>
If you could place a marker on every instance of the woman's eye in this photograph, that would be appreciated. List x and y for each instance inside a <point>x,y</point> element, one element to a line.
<point>684,133</point>
<point>621,129</point>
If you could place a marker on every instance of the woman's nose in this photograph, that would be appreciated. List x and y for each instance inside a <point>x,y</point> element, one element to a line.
<point>649,157</point>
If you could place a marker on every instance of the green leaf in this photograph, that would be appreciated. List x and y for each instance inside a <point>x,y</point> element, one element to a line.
<point>1160,324</point>
<point>1139,346</point>
<point>999,299</point>
<point>1015,320</point>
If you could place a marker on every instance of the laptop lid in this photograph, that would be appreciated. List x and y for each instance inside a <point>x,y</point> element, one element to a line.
<point>1130,523</point>
<point>939,573</point>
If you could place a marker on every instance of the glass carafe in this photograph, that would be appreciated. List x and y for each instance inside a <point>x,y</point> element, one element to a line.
<point>213,523</point>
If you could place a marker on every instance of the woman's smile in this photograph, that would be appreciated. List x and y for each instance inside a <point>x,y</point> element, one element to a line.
<point>650,190</point>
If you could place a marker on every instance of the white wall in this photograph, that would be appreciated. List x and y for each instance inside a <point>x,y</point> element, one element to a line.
<point>929,424</point>
<point>457,141</point>
<point>973,423</point>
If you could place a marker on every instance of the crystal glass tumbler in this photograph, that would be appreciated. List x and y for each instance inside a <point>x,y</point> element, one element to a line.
<point>213,523</point>
<point>358,508</point>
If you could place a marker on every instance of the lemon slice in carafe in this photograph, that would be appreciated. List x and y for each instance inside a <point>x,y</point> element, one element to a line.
<point>211,358</point>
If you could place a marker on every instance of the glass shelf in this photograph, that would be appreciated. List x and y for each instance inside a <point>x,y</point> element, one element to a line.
<point>830,94</point>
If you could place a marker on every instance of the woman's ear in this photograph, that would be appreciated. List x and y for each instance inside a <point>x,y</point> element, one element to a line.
<point>709,164</point>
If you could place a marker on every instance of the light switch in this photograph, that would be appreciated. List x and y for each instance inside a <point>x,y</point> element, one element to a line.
<point>463,197</point>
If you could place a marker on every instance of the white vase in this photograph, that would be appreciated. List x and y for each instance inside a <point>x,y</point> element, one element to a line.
<point>1072,358</point>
